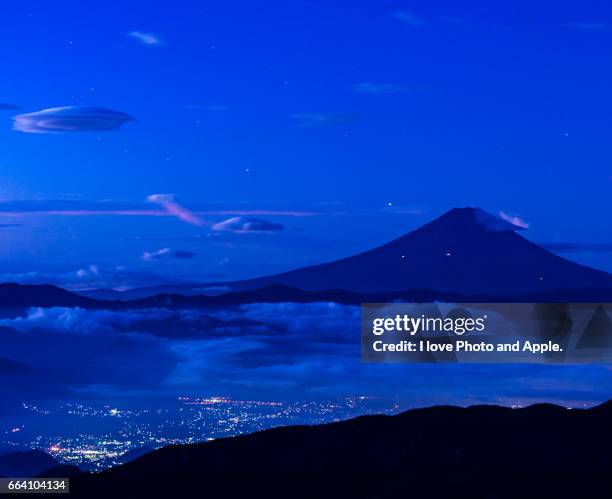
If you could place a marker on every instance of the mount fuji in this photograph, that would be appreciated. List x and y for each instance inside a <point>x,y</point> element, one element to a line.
<point>466,250</point>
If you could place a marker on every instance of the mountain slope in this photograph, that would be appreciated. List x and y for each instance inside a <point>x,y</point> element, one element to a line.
<point>466,251</point>
<point>481,451</point>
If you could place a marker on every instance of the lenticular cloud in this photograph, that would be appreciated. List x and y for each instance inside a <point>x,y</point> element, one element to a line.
<point>70,119</point>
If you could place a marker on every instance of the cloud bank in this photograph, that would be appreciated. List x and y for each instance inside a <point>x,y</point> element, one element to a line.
<point>298,351</point>
<point>70,119</point>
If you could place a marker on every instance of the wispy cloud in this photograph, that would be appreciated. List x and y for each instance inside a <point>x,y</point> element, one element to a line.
<point>381,88</point>
<point>60,207</point>
<point>70,119</point>
<point>145,38</point>
<point>410,19</point>
<point>514,220</point>
<point>171,206</point>
<point>316,119</point>
<point>243,225</point>
<point>167,254</point>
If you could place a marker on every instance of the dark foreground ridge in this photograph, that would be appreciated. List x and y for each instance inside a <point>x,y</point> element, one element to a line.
<point>478,452</point>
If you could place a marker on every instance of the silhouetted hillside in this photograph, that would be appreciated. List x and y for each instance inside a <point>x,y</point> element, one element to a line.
<point>478,452</point>
<point>278,293</point>
<point>61,471</point>
<point>123,459</point>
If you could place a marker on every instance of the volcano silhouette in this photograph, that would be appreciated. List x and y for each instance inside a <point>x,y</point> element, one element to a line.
<point>466,250</point>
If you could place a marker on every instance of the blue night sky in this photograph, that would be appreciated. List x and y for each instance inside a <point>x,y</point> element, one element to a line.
<point>347,123</point>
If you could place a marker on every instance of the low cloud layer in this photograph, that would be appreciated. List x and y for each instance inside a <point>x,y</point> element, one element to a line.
<point>70,119</point>
<point>251,346</point>
<point>298,351</point>
<point>243,225</point>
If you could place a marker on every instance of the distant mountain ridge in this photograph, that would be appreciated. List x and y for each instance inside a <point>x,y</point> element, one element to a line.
<point>14,295</point>
<point>51,296</point>
<point>466,251</point>
<point>465,255</point>
<point>478,452</point>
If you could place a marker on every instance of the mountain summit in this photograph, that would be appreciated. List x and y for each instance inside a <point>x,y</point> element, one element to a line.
<point>476,216</point>
<point>466,250</point>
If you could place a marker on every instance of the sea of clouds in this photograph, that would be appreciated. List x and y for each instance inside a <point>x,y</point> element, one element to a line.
<point>274,351</point>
